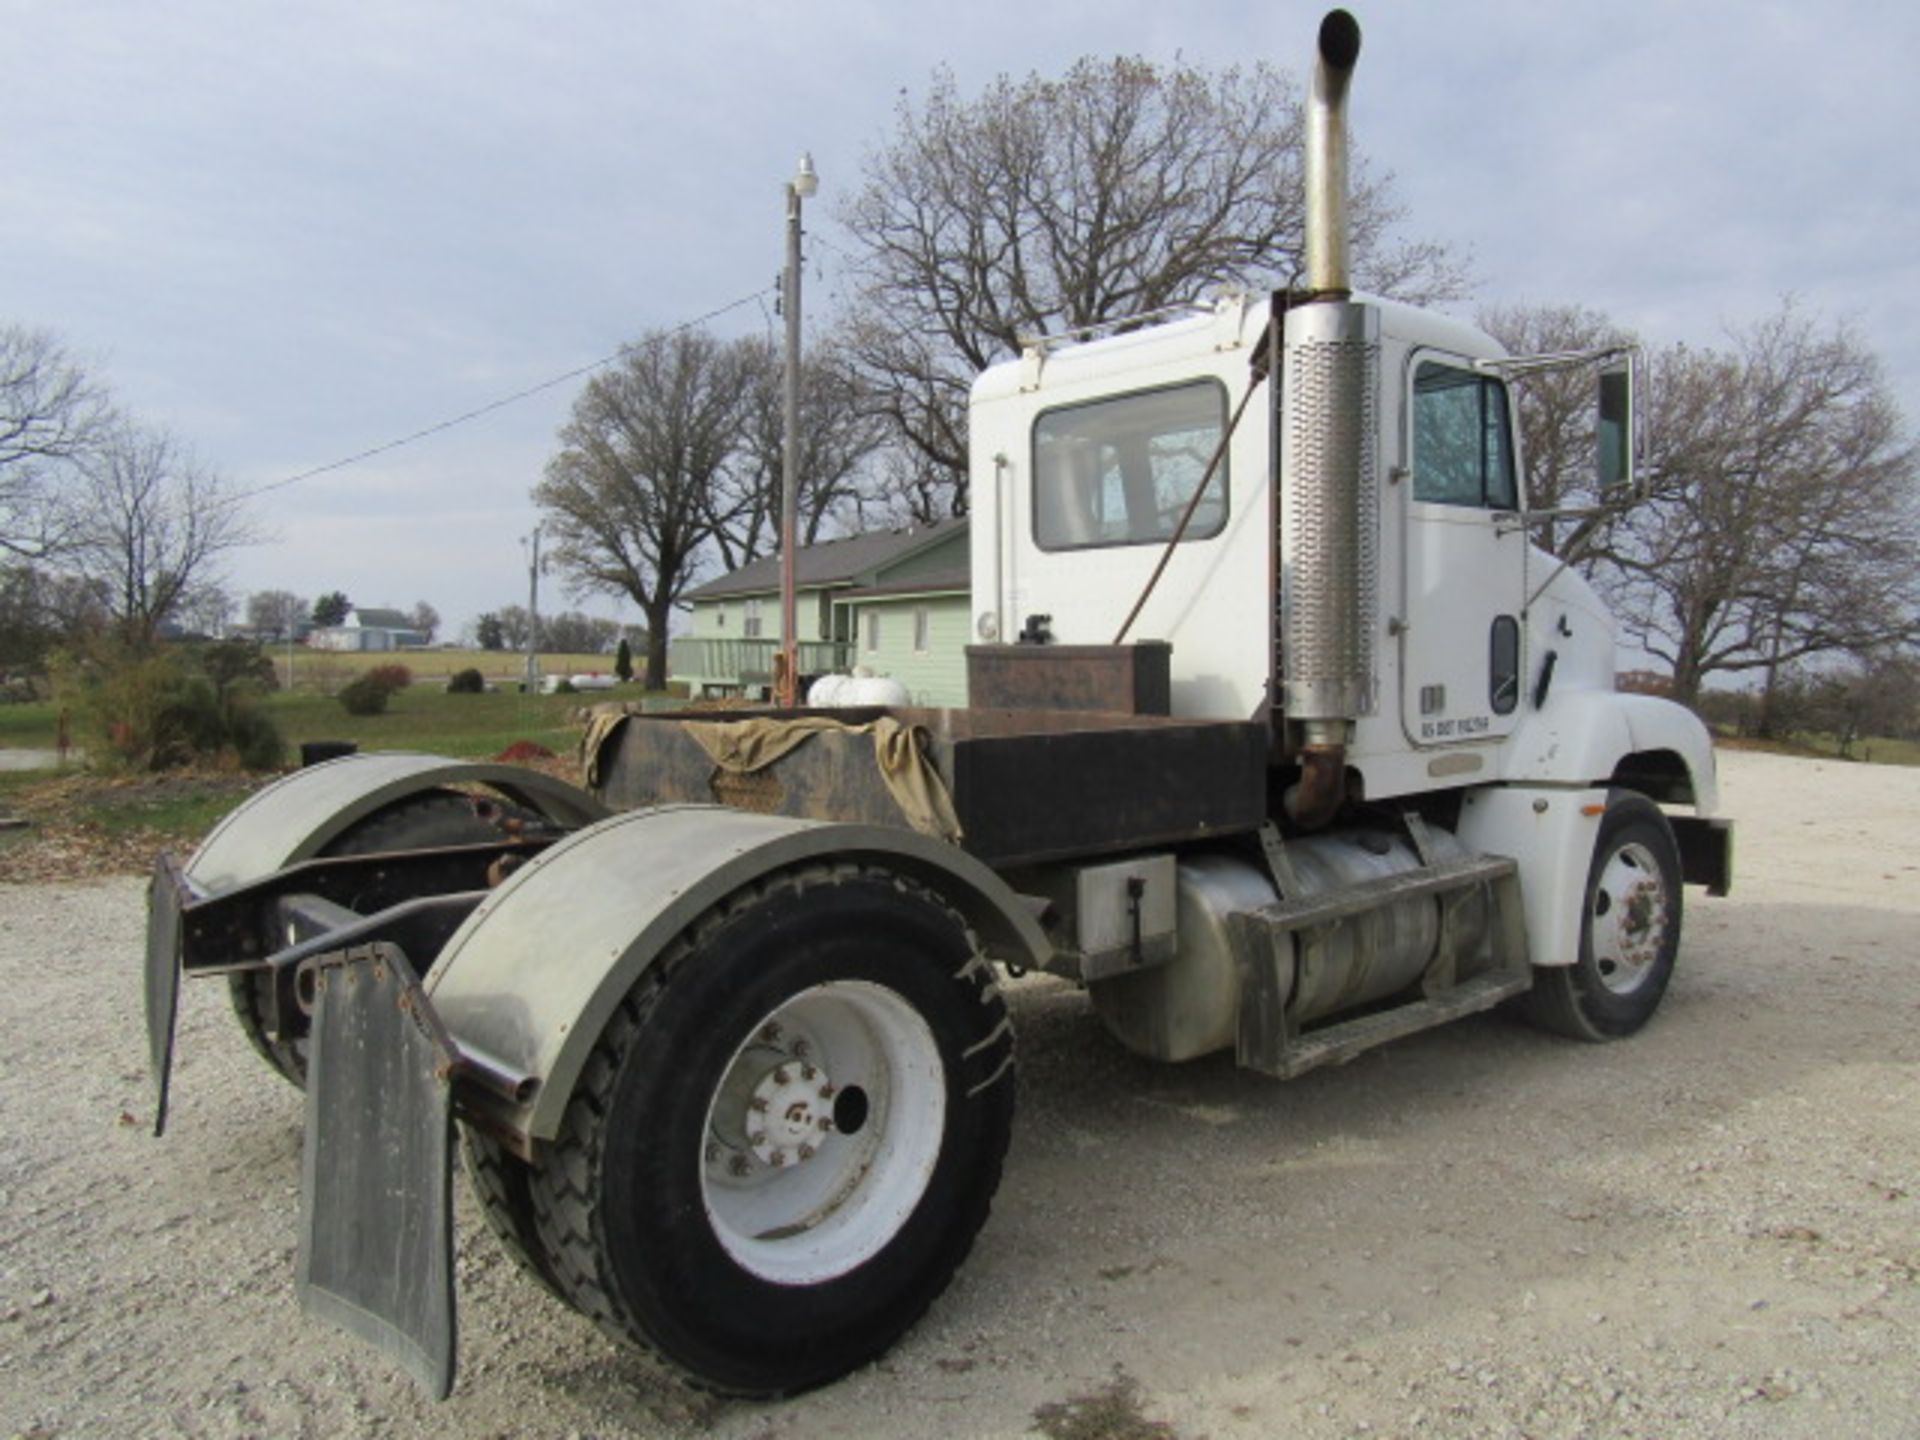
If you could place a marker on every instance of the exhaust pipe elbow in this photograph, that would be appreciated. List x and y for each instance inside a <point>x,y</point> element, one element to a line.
<point>1326,168</point>
<point>1316,797</point>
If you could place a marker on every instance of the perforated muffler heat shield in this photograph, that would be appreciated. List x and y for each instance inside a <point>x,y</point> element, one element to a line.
<point>1330,512</point>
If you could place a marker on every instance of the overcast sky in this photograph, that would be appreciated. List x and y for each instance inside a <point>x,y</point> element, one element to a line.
<point>292,232</point>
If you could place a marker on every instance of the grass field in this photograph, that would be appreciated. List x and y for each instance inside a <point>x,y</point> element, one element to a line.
<point>421,717</point>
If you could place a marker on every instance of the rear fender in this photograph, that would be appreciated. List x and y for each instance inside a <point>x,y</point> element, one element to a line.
<point>295,817</point>
<point>532,977</point>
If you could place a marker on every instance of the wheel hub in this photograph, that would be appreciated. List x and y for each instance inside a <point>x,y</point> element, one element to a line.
<point>1630,919</point>
<point>791,1109</point>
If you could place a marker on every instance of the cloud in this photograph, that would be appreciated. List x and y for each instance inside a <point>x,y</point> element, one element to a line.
<point>297,232</point>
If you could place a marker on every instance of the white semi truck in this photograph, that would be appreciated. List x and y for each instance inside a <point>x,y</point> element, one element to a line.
<point>720,1034</point>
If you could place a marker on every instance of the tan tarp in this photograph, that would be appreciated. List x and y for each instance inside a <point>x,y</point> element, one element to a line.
<point>602,721</point>
<point>745,746</point>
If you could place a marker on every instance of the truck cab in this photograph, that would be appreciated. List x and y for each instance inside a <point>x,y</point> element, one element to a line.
<point>1087,451</point>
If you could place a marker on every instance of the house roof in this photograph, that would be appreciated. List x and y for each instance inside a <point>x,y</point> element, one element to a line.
<point>846,561</point>
<point>940,582</point>
<point>371,619</point>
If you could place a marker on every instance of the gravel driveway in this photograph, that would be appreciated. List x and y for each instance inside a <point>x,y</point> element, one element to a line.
<point>1712,1229</point>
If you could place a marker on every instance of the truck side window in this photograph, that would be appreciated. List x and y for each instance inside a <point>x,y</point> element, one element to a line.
<point>1120,471</point>
<point>1462,446</point>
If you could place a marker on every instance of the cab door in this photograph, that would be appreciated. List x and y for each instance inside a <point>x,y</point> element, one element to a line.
<point>1464,558</point>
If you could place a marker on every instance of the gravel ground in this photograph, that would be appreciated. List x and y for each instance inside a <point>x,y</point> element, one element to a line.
<point>1710,1230</point>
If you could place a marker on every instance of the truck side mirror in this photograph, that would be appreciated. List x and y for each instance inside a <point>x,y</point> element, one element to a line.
<point>1615,428</point>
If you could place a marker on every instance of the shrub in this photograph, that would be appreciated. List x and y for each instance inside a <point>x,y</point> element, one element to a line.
<point>390,677</point>
<point>467,682</point>
<point>156,709</point>
<point>564,687</point>
<point>365,696</point>
<point>623,661</point>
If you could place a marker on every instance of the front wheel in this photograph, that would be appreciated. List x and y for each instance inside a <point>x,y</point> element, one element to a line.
<point>787,1137</point>
<point>1629,932</point>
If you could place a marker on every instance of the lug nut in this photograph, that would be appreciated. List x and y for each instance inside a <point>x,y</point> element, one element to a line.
<point>802,1049</point>
<point>779,1159</point>
<point>737,1165</point>
<point>806,1152</point>
<point>770,1032</point>
<point>807,1072</point>
<point>712,1152</point>
<point>780,1076</point>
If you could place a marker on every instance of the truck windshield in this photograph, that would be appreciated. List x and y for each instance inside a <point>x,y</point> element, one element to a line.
<point>1120,471</point>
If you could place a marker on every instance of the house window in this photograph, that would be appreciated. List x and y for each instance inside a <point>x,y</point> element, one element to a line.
<point>750,627</point>
<point>873,632</point>
<point>719,617</point>
<point>1462,445</point>
<point>922,625</point>
<point>1121,471</point>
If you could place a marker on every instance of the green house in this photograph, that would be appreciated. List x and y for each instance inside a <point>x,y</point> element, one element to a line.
<point>891,602</point>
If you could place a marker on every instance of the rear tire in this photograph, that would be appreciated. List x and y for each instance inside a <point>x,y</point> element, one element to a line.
<point>1629,930</point>
<point>500,1181</point>
<point>787,1137</point>
<point>434,817</point>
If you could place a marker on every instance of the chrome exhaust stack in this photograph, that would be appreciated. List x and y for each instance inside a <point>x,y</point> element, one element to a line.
<point>1329,516</point>
<point>1326,239</point>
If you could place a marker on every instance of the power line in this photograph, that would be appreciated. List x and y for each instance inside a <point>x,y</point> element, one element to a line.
<point>756,296</point>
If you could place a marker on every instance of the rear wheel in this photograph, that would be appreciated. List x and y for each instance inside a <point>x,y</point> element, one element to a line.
<point>435,817</point>
<point>787,1137</point>
<point>1629,931</point>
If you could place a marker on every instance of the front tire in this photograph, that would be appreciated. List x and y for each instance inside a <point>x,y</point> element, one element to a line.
<point>787,1137</point>
<point>1629,930</point>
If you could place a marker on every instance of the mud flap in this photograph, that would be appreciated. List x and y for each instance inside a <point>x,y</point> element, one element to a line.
<point>376,1221</point>
<point>167,897</point>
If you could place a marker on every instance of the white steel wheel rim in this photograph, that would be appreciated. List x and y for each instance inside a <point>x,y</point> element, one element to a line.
<point>1628,918</point>
<point>798,1202</point>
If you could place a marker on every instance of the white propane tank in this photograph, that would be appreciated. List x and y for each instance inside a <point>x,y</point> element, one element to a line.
<point>824,693</point>
<point>846,692</point>
<point>874,690</point>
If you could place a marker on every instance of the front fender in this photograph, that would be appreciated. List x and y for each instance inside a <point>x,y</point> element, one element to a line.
<point>1582,737</point>
<point>294,818</point>
<point>533,976</point>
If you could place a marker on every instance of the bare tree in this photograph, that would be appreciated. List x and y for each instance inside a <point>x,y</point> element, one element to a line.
<point>1044,205</point>
<point>205,609</point>
<point>277,612</point>
<point>515,625</point>
<point>40,609</point>
<point>52,414</point>
<point>1783,518</point>
<point>574,632</point>
<point>426,620</point>
<point>151,522</point>
<point>627,499</point>
<point>838,436</point>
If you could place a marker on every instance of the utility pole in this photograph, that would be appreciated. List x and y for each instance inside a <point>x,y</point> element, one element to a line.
<point>787,673</point>
<point>532,542</point>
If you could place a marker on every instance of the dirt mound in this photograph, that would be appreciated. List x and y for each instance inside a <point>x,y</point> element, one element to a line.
<point>521,751</point>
